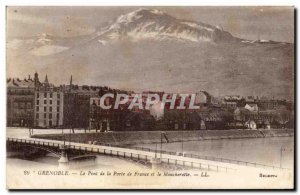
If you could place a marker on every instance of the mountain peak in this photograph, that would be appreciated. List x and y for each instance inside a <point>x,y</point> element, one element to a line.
<point>45,38</point>
<point>139,14</point>
<point>155,24</point>
<point>142,12</point>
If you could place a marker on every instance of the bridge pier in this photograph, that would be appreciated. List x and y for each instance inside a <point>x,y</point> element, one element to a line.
<point>63,161</point>
<point>156,163</point>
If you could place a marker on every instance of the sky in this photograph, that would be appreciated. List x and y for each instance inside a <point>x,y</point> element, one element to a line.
<point>155,65</point>
<point>270,23</point>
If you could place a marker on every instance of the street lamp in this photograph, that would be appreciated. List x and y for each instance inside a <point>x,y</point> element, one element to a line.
<point>156,150</point>
<point>160,143</point>
<point>182,143</point>
<point>70,138</point>
<point>63,135</point>
<point>282,149</point>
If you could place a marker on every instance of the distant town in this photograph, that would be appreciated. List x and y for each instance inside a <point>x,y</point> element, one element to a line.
<point>35,104</point>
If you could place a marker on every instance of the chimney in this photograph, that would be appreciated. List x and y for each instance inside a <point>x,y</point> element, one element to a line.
<point>71,81</point>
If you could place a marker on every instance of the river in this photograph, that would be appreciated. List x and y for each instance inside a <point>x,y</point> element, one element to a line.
<point>265,151</point>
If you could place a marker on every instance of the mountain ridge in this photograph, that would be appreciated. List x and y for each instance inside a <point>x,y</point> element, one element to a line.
<point>220,66</point>
<point>155,24</point>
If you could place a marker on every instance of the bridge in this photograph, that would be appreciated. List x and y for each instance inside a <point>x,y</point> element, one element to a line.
<point>61,149</point>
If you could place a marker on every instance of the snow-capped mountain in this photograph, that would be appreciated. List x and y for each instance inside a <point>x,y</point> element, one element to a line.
<point>157,25</point>
<point>45,38</point>
<point>45,44</point>
<point>148,49</point>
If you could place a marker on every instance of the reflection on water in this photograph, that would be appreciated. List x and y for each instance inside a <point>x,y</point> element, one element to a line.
<point>49,161</point>
<point>260,150</point>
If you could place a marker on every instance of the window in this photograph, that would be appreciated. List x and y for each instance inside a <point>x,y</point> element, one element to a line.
<point>57,109</point>
<point>50,123</point>
<point>37,116</point>
<point>45,94</point>
<point>22,105</point>
<point>37,95</point>
<point>45,116</point>
<point>50,95</point>
<point>37,102</point>
<point>58,102</point>
<point>50,109</point>
<point>45,109</point>
<point>51,102</point>
<point>45,101</point>
<point>37,108</point>
<point>50,116</point>
<point>58,95</point>
<point>57,116</point>
<point>28,105</point>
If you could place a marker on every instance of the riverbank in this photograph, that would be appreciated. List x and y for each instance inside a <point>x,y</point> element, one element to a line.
<point>147,137</point>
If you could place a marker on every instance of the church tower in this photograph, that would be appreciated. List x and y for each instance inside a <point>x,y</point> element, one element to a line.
<point>36,80</point>
<point>46,80</point>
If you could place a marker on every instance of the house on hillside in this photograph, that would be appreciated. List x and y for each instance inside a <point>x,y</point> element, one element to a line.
<point>232,102</point>
<point>241,114</point>
<point>251,124</point>
<point>215,117</point>
<point>251,107</point>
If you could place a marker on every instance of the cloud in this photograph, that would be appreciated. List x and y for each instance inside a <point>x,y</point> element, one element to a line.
<point>48,50</point>
<point>25,18</point>
<point>24,22</point>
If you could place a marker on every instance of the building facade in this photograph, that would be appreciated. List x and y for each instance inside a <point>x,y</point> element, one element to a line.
<point>48,105</point>
<point>20,102</point>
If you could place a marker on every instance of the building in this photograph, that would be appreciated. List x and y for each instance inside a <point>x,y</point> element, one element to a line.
<point>77,105</point>
<point>215,117</point>
<point>79,111</point>
<point>251,107</point>
<point>48,104</point>
<point>241,114</point>
<point>277,118</point>
<point>203,98</point>
<point>251,124</point>
<point>232,102</point>
<point>20,102</point>
<point>107,119</point>
<point>269,104</point>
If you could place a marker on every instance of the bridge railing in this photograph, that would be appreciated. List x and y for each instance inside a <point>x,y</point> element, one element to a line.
<point>36,142</point>
<point>219,159</point>
<point>130,155</point>
<point>147,158</point>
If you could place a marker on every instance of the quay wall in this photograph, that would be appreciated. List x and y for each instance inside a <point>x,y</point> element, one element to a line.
<point>146,137</point>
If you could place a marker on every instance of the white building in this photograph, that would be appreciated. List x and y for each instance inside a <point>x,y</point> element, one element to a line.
<point>251,107</point>
<point>48,109</point>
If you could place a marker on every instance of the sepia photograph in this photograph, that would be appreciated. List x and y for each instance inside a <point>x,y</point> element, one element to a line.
<point>150,97</point>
